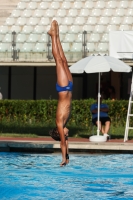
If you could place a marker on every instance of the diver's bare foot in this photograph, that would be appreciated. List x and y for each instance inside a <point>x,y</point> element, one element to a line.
<point>53,29</point>
<point>57,28</point>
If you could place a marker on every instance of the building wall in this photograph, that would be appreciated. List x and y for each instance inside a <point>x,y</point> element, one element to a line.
<point>45,83</point>
<point>4,81</point>
<point>125,85</point>
<point>116,82</point>
<point>22,80</point>
<point>39,83</point>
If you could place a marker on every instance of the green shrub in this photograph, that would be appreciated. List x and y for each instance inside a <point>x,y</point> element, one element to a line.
<point>38,117</point>
<point>44,111</point>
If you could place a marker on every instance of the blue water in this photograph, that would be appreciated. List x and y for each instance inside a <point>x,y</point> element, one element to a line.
<point>87,177</point>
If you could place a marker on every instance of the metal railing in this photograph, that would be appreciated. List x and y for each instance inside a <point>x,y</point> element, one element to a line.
<point>75,46</point>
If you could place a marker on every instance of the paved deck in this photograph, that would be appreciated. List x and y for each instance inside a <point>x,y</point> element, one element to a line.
<point>48,145</point>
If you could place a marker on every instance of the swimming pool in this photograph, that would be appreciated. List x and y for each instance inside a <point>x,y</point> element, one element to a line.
<point>87,177</point>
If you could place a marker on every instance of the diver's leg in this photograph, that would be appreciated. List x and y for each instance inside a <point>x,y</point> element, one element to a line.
<point>64,60</point>
<point>62,78</point>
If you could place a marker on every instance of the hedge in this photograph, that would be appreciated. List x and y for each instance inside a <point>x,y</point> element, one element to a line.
<point>33,111</point>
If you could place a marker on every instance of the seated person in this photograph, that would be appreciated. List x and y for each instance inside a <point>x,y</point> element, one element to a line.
<point>104,119</point>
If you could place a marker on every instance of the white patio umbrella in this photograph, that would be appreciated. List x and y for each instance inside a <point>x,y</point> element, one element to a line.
<point>99,64</point>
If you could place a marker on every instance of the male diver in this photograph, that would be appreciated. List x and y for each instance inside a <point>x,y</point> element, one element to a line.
<point>64,88</point>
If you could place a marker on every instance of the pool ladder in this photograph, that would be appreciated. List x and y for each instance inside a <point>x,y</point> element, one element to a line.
<point>127,128</point>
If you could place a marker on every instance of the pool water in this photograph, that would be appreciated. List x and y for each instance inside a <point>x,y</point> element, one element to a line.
<point>87,177</point>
